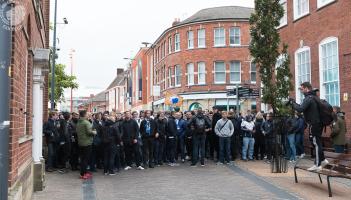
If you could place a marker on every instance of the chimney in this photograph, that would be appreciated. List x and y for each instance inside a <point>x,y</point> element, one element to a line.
<point>120,71</point>
<point>91,95</point>
<point>176,21</point>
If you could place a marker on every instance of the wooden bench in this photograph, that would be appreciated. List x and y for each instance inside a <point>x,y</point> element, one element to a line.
<point>327,146</point>
<point>339,166</point>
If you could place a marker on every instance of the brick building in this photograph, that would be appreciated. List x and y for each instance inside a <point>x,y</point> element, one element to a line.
<point>96,103</point>
<point>318,33</point>
<point>198,57</point>
<point>115,93</point>
<point>28,97</point>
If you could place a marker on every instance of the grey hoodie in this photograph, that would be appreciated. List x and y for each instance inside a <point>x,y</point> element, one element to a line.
<point>226,131</point>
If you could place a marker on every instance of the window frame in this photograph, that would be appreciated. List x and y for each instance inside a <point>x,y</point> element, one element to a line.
<point>232,29</point>
<point>297,74</point>
<point>170,77</point>
<point>198,38</point>
<point>190,74</point>
<point>177,77</point>
<point>285,16</point>
<point>298,16</point>
<point>215,37</point>
<point>176,41</point>
<point>321,4</point>
<point>253,82</point>
<point>169,44</point>
<point>199,73</point>
<point>322,82</point>
<point>190,39</point>
<point>215,72</point>
<point>232,71</point>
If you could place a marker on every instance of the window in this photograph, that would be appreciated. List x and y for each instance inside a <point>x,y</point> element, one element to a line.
<point>190,39</point>
<point>302,70</point>
<point>301,8</point>
<point>178,75</point>
<point>201,38</point>
<point>201,69</point>
<point>235,72</point>
<point>190,71</point>
<point>329,71</point>
<point>284,19</point>
<point>234,36</point>
<point>253,72</point>
<point>177,42</point>
<point>164,77</point>
<point>219,37</point>
<point>321,3</point>
<point>219,70</point>
<point>170,77</point>
<point>164,49</point>
<point>170,45</point>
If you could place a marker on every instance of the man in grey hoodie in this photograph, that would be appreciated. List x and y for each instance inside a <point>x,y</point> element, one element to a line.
<point>224,129</point>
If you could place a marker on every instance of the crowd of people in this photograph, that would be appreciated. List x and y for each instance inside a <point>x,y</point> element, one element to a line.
<point>113,141</point>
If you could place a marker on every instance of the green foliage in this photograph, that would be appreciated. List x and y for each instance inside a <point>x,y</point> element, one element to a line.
<point>265,48</point>
<point>62,82</point>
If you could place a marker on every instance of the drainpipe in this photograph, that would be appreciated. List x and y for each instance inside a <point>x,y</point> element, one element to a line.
<point>5,59</point>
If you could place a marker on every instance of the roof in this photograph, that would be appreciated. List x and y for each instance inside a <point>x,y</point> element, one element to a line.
<point>99,97</point>
<point>219,13</point>
<point>118,81</point>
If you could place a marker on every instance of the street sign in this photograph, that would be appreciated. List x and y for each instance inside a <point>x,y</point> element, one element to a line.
<point>156,91</point>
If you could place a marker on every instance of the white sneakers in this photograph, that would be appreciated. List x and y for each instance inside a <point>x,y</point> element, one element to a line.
<point>140,168</point>
<point>302,155</point>
<point>318,168</point>
<point>127,168</point>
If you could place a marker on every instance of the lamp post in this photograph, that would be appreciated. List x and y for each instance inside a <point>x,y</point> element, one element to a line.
<point>71,57</point>
<point>52,100</point>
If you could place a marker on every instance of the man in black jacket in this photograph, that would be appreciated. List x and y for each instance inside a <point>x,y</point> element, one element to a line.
<point>267,131</point>
<point>110,139</point>
<point>310,109</point>
<point>171,139</point>
<point>72,128</point>
<point>148,131</point>
<point>160,137</point>
<point>201,124</point>
<point>214,139</point>
<point>50,130</point>
<point>130,131</point>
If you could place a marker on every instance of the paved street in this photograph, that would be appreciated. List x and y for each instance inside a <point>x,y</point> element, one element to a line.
<point>210,182</point>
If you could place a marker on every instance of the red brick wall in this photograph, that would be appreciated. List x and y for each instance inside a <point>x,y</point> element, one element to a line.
<point>207,55</point>
<point>141,55</point>
<point>28,37</point>
<point>329,21</point>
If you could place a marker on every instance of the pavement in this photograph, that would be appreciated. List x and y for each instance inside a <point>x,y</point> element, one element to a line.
<point>242,180</point>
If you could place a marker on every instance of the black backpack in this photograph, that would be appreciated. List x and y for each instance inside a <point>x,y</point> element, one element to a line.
<point>325,111</point>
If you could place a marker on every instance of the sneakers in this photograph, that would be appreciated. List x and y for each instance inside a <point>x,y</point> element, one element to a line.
<point>219,163</point>
<point>85,177</point>
<point>183,161</point>
<point>202,165</point>
<point>140,168</point>
<point>112,174</point>
<point>324,162</point>
<point>105,173</point>
<point>193,165</point>
<point>315,168</point>
<point>302,155</point>
<point>89,175</point>
<point>127,168</point>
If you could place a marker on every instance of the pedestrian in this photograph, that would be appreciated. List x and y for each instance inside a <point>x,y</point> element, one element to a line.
<point>120,157</point>
<point>181,130</point>
<point>65,142</point>
<point>85,135</point>
<point>96,159</point>
<point>188,136</point>
<point>338,131</point>
<point>171,139</point>
<point>148,131</point>
<point>291,128</point>
<point>248,128</point>
<point>311,111</point>
<point>160,138</point>
<point>214,139</point>
<point>267,131</point>
<point>50,130</point>
<point>259,148</point>
<point>201,125</point>
<point>72,128</point>
<point>130,131</point>
<point>299,135</point>
<point>224,129</point>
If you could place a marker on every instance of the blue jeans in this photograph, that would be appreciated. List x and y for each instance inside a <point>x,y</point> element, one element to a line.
<point>299,143</point>
<point>224,148</point>
<point>292,148</point>
<point>248,144</point>
<point>339,148</point>
<point>199,142</point>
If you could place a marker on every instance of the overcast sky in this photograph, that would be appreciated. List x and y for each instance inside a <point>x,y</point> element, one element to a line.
<point>103,32</point>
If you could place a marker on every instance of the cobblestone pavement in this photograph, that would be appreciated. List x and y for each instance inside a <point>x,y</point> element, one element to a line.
<point>211,182</point>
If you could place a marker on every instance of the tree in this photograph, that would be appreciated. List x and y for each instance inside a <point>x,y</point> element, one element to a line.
<point>265,48</point>
<point>62,82</point>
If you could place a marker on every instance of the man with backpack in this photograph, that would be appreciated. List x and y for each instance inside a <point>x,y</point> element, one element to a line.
<point>316,116</point>
<point>201,124</point>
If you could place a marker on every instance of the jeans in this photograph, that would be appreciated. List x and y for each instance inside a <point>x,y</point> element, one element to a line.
<point>110,151</point>
<point>199,142</point>
<point>189,146</point>
<point>248,144</point>
<point>224,149</point>
<point>299,143</point>
<point>148,151</point>
<point>292,148</point>
<point>316,132</point>
<point>131,149</point>
<point>339,148</point>
<point>235,146</point>
<point>51,155</point>
<point>269,142</point>
<point>85,153</point>
<point>158,150</point>
<point>181,145</point>
<point>171,149</point>
<point>259,148</point>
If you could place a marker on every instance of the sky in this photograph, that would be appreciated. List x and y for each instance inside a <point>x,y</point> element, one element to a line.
<point>104,32</point>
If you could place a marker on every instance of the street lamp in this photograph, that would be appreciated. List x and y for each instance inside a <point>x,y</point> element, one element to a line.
<point>65,21</point>
<point>71,57</point>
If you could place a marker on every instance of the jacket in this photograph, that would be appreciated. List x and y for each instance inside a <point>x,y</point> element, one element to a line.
<point>291,125</point>
<point>224,128</point>
<point>194,122</point>
<point>161,128</point>
<point>84,132</point>
<point>258,134</point>
<point>338,132</point>
<point>130,130</point>
<point>248,128</point>
<point>267,129</point>
<point>181,127</point>
<point>309,107</point>
<point>51,131</point>
<point>110,134</point>
<point>171,130</point>
<point>216,116</point>
<point>143,127</point>
<point>301,126</point>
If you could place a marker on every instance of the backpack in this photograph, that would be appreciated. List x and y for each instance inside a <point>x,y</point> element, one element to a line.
<point>325,111</point>
<point>200,123</point>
